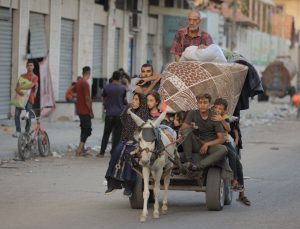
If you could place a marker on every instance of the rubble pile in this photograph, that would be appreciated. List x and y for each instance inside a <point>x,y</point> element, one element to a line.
<point>267,114</point>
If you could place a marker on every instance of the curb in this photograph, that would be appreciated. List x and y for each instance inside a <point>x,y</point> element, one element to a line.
<point>7,155</point>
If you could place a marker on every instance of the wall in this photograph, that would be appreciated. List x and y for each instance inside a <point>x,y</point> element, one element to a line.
<point>260,48</point>
<point>291,7</point>
<point>39,6</point>
<point>84,13</point>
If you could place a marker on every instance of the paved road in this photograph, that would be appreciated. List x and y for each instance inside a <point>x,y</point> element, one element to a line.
<point>68,193</point>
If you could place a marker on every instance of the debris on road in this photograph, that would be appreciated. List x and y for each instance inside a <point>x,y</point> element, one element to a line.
<point>55,154</point>
<point>267,114</point>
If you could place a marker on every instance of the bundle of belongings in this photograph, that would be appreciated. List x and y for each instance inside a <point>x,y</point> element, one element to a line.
<point>212,53</point>
<point>212,70</point>
<point>252,86</point>
<point>182,82</point>
<point>20,100</point>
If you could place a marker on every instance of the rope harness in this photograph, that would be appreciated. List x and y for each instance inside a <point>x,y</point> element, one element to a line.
<point>157,152</point>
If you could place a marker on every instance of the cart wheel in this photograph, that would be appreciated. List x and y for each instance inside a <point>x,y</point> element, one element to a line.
<point>136,200</point>
<point>227,192</point>
<point>215,192</point>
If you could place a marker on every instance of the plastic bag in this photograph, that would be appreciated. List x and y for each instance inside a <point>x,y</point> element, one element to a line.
<point>21,100</point>
<point>212,53</point>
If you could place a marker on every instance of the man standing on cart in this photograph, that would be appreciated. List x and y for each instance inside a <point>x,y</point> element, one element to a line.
<point>190,35</point>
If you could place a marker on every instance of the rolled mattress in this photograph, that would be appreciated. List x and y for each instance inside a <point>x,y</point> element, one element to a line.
<point>183,81</point>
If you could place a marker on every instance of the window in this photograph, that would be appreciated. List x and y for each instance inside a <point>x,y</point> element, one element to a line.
<point>154,2</point>
<point>105,4</point>
<point>131,5</point>
<point>120,4</point>
<point>169,3</point>
<point>100,2</point>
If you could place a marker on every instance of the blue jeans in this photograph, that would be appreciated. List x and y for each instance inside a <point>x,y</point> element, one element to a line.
<point>18,112</point>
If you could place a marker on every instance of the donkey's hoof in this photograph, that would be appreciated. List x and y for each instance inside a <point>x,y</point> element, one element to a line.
<point>164,209</point>
<point>143,218</point>
<point>155,215</point>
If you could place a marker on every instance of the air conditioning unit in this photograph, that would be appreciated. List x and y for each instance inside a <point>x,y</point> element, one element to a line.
<point>135,22</point>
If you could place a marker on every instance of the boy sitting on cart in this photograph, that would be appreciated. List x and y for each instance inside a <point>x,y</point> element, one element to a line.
<point>203,146</point>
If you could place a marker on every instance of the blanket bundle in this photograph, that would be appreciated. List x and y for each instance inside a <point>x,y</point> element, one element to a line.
<point>183,81</point>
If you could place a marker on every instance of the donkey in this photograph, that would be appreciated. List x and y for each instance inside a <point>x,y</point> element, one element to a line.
<point>155,163</point>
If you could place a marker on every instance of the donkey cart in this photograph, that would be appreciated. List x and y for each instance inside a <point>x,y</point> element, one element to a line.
<point>180,85</point>
<point>216,186</point>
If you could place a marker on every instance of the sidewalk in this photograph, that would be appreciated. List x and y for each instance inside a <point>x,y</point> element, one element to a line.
<point>62,135</point>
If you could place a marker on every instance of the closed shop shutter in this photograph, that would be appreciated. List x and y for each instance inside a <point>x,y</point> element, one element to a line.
<point>66,57</point>
<point>97,69</point>
<point>117,49</point>
<point>5,62</point>
<point>38,41</point>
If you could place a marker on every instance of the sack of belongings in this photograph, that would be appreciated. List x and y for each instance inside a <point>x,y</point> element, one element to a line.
<point>212,53</point>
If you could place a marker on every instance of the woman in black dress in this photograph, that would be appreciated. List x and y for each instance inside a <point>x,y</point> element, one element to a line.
<point>119,172</point>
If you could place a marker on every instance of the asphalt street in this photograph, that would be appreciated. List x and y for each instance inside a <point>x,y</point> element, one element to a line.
<point>68,192</point>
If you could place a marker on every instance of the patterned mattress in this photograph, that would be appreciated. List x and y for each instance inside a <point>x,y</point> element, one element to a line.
<point>183,81</point>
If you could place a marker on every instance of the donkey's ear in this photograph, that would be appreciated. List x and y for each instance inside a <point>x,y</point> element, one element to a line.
<point>162,116</point>
<point>138,121</point>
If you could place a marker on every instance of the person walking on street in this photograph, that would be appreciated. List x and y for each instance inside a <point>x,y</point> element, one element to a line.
<point>84,109</point>
<point>114,99</point>
<point>30,76</point>
<point>191,35</point>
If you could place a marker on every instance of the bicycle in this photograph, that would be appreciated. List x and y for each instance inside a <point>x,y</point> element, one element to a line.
<point>36,142</point>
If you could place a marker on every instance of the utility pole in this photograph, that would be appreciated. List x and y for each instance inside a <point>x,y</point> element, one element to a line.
<point>298,70</point>
<point>233,5</point>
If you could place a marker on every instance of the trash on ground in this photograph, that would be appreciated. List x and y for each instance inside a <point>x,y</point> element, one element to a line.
<point>55,154</point>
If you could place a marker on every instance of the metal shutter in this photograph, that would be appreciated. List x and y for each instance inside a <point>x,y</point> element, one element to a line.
<point>97,69</point>
<point>66,56</point>
<point>38,41</point>
<point>117,49</point>
<point>5,63</point>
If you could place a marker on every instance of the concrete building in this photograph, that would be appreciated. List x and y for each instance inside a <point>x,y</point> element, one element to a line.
<point>292,7</point>
<point>74,33</point>
<point>104,34</point>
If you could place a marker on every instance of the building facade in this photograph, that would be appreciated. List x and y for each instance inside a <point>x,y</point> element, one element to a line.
<point>103,34</point>
<point>73,33</point>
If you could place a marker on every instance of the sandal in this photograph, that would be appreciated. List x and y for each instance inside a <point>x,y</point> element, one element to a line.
<point>85,153</point>
<point>244,200</point>
<point>237,188</point>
